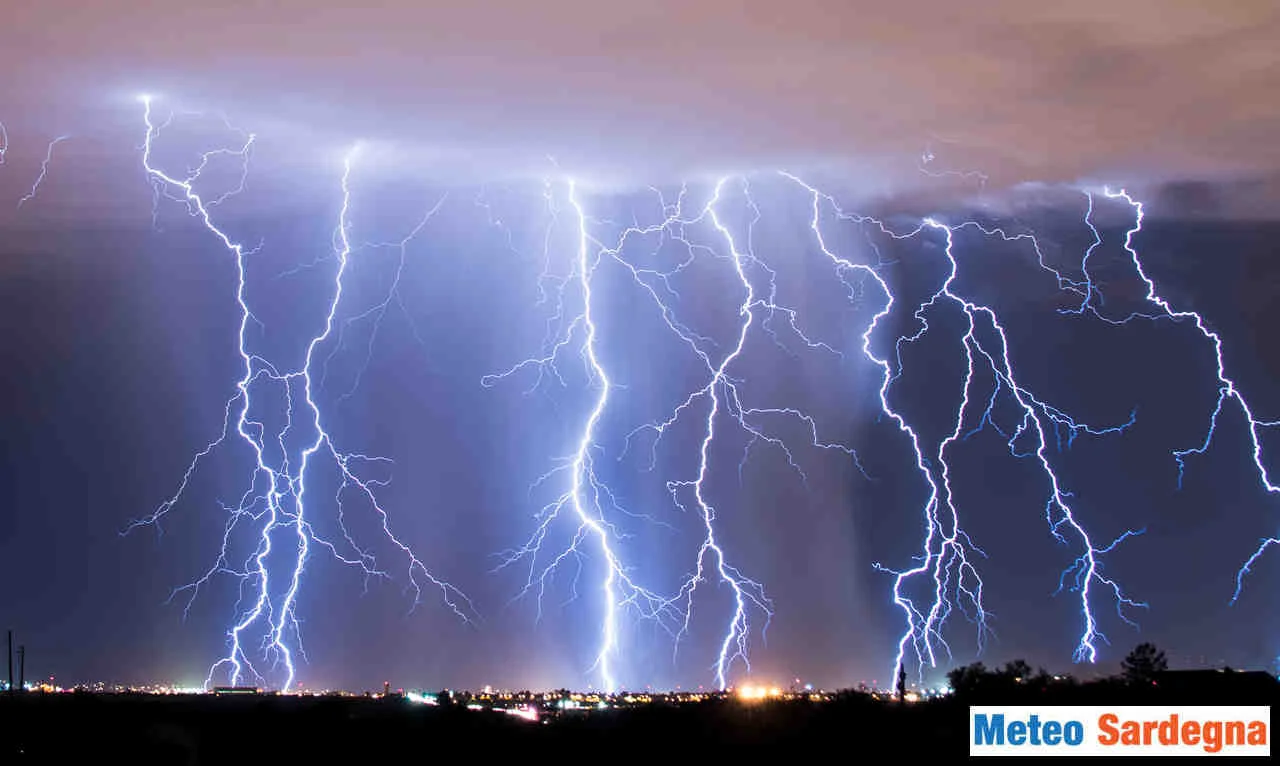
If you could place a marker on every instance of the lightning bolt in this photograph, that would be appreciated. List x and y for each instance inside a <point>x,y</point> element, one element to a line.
<point>278,513</point>
<point>589,499</point>
<point>44,168</point>
<point>4,142</point>
<point>376,313</point>
<point>947,559</point>
<point>275,503</point>
<point>1228,392</point>
<point>746,592</point>
<point>723,398</point>
<point>584,501</point>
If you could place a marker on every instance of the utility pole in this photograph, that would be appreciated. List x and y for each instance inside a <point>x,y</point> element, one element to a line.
<point>22,668</point>
<point>11,663</point>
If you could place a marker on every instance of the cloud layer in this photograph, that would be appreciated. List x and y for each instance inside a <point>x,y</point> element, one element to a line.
<point>1094,89</point>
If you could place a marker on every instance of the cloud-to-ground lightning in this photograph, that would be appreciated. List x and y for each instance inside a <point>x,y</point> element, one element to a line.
<point>584,500</point>
<point>276,508</point>
<point>1228,391</point>
<point>722,397</point>
<point>44,168</point>
<point>719,397</point>
<point>947,558</point>
<point>279,412</point>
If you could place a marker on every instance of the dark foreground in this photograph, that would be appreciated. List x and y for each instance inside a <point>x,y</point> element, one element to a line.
<point>202,729</point>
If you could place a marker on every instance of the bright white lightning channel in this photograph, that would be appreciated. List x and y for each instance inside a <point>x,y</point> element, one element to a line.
<point>275,505</point>
<point>589,499</point>
<point>943,578</point>
<point>946,560</point>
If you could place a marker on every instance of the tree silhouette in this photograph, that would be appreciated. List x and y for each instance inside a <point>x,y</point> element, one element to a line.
<point>1018,670</point>
<point>966,679</point>
<point>1143,664</point>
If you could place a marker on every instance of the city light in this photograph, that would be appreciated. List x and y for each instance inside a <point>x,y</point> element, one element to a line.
<point>753,693</point>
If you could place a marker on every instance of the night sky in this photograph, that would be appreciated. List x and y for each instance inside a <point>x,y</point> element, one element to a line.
<point>119,326</point>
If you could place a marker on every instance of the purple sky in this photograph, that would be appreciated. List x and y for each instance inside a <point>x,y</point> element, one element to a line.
<point>1096,91</point>
<point>120,328</point>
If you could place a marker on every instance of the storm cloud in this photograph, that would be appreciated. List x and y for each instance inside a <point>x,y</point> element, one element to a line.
<point>1144,90</point>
